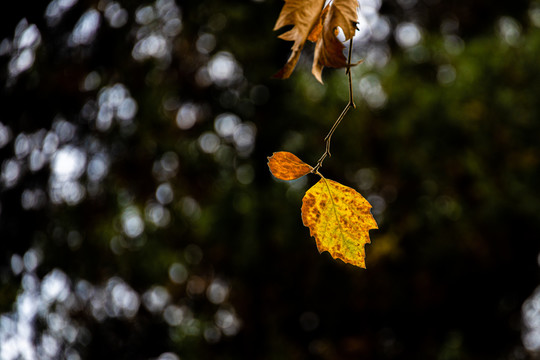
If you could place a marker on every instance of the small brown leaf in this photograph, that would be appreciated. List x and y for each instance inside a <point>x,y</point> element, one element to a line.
<point>303,15</point>
<point>311,22</point>
<point>329,49</point>
<point>287,166</point>
<point>339,219</point>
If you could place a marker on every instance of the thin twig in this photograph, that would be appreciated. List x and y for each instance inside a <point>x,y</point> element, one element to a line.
<point>350,105</point>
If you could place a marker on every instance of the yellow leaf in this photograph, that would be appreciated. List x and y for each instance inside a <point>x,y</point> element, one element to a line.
<point>303,15</point>
<point>339,219</point>
<point>287,166</point>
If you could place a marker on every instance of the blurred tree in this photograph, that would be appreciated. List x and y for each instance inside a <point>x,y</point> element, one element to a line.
<point>138,218</point>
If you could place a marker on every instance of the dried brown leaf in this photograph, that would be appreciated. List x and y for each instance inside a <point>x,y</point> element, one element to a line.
<point>329,49</point>
<point>303,15</point>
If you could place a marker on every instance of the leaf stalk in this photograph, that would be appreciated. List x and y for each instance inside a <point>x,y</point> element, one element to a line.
<point>350,104</point>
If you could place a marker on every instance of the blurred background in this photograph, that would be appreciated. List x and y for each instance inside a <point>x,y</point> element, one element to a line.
<point>138,218</point>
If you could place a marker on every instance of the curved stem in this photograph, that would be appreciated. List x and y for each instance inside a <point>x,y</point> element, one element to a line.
<point>350,104</point>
